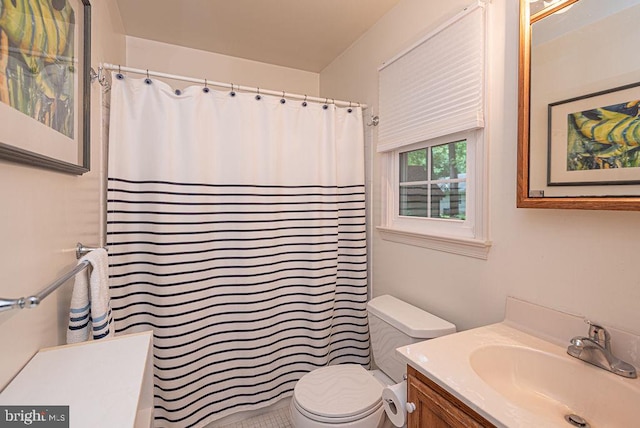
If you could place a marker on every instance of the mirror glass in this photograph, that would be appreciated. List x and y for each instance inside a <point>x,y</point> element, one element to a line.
<point>583,100</point>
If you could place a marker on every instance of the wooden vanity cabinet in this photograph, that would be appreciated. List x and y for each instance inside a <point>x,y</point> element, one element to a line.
<point>437,408</point>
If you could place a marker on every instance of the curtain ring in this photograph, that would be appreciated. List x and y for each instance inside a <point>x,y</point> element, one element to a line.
<point>147,80</point>
<point>282,100</point>
<point>258,96</point>
<point>325,106</point>
<point>349,110</point>
<point>232,93</point>
<point>119,76</point>
<point>206,88</point>
<point>304,103</point>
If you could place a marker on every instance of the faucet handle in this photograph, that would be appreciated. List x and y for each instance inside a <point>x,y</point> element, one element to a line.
<point>599,334</point>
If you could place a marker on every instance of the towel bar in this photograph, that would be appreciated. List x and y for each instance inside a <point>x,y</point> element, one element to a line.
<point>33,301</point>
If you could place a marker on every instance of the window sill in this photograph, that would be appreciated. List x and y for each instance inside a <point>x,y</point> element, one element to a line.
<point>475,248</point>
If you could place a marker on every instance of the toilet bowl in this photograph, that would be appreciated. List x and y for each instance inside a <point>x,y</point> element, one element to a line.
<point>345,395</point>
<point>349,396</point>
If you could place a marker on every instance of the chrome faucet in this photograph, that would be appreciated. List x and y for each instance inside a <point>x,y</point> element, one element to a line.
<point>596,350</point>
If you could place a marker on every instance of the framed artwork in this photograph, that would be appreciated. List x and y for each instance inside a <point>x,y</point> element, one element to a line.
<point>45,51</point>
<point>595,139</point>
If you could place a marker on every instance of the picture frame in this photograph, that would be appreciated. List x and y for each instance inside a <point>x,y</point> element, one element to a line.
<point>45,61</point>
<point>594,140</point>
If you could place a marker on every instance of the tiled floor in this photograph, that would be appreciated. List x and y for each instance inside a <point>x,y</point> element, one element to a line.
<point>278,418</point>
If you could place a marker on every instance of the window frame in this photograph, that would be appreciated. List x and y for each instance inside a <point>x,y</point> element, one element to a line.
<point>465,237</point>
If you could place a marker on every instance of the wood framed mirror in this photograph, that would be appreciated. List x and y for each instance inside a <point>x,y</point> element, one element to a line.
<point>579,105</point>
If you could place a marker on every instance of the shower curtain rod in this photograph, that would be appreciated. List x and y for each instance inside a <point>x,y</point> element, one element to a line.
<point>232,86</point>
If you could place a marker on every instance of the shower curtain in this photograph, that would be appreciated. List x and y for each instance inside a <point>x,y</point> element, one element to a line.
<point>236,232</point>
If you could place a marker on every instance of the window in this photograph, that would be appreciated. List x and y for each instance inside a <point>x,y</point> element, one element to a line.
<point>431,139</point>
<point>434,192</point>
<point>432,182</point>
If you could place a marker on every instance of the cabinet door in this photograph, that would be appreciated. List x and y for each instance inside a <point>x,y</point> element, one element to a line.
<point>436,408</point>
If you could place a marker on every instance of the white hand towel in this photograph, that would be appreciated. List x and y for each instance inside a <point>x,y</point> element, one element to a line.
<point>90,312</point>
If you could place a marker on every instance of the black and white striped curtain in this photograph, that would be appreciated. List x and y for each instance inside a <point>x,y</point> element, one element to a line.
<point>236,231</point>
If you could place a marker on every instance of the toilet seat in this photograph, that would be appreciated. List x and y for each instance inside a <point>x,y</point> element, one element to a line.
<point>338,394</point>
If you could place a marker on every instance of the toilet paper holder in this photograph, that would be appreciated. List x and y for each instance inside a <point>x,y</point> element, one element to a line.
<point>409,407</point>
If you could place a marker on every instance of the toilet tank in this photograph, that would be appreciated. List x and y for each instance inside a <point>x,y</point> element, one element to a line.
<point>394,323</point>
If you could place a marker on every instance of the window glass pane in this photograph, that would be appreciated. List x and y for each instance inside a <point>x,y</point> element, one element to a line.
<point>414,201</point>
<point>449,160</point>
<point>413,166</point>
<point>448,200</point>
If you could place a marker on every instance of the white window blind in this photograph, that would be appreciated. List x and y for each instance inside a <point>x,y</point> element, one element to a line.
<point>436,87</point>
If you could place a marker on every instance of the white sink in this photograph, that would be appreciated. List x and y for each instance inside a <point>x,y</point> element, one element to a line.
<point>545,383</point>
<point>517,380</point>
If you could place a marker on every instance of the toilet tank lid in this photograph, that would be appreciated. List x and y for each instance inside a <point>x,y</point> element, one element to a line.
<point>412,321</point>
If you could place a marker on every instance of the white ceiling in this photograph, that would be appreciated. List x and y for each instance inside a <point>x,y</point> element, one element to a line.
<point>301,34</point>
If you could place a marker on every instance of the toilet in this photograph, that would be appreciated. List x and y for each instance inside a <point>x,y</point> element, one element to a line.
<point>349,396</point>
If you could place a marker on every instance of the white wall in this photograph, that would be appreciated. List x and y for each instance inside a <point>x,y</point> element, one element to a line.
<point>577,261</point>
<point>44,214</point>
<point>173,59</point>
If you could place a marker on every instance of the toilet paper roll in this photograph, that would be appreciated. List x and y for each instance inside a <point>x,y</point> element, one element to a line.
<point>394,400</point>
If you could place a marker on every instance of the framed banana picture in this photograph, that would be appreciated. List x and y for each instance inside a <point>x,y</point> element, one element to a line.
<point>44,83</point>
<point>595,139</point>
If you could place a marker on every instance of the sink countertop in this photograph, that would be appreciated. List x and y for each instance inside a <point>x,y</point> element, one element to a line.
<point>106,383</point>
<point>447,361</point>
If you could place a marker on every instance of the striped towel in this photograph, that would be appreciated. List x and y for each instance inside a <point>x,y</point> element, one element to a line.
<point>90,312</point>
